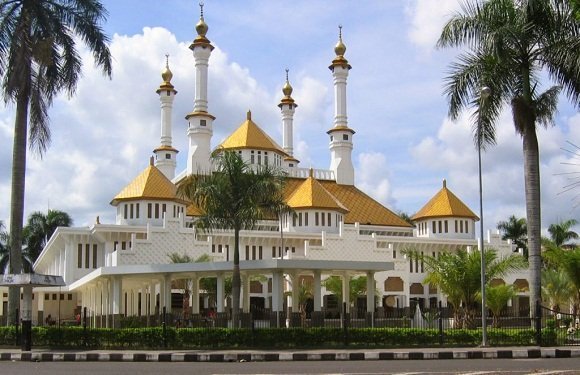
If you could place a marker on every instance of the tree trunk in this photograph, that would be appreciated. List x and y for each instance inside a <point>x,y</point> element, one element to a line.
<point>533,211</point>
<point>236,281</point>
<point>17,199</point>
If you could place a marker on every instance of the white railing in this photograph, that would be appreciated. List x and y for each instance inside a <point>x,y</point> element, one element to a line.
<point>319,174</point>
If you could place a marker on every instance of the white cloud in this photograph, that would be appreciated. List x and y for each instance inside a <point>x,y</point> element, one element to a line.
<point>427,18</point>
<point>372,177</point>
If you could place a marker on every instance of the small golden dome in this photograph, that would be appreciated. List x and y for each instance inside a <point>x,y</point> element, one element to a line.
<point>166,74</point>
<point>287,89</point>
<point>201,26</point>
<point>340,48</point>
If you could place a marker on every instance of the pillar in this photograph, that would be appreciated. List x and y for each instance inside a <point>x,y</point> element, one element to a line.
<point>346,291</point>
<point>371,291</point>
<point>317,291</point>
<point>245,293</point>
<point>277,291</point>
<point>220,293</point>
<point>194,300</point>
<point>40,304</point>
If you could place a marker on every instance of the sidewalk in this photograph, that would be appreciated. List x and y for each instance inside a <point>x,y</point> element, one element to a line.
<point>288,355</point>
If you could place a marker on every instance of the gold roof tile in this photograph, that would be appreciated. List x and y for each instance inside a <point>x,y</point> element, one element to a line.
<point>249,135</point>
<point>361,208</point>
<point>444,204</point>
<point>150,184</point>
<point>311,194</point>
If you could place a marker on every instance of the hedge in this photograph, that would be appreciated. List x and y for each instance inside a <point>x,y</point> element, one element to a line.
<point>225,338</point>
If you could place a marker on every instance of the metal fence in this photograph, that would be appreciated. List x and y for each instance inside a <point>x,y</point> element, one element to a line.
<point>546,327</point>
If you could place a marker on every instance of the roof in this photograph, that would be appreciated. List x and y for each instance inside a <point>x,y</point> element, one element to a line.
<point>311,194</point>
<point>360,207</point>
<point>150,184</point>
<point>444,204</point>
<point>249,136</point>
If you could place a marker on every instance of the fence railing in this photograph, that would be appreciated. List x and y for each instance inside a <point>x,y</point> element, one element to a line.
<point>547,327</point>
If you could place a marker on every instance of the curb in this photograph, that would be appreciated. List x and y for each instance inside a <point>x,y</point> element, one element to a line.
<point>273,357</point>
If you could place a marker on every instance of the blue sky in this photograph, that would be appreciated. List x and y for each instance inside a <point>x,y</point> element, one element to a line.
<point>404,144</point>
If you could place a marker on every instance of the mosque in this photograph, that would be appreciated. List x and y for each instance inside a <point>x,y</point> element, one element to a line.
<point>124,269</point>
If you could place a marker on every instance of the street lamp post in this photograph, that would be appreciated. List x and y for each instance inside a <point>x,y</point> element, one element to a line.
<point>484,93</point>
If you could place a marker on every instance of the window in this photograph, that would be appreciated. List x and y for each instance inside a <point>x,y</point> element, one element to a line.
<point>220,250</point>
<point>466,227</point>
<point>316,218</point>
<point>306,219</point>
<point>329,222</point>
<point>300,219</point>
<point>131,211</point>
<point>294,219</point>
<point>213,248</point>
<point>446,226</point>
<point>46,296</point>
<point>251,157</point>
<point>440,231</point>
<point>456,226</point>
<point>260,252</point>
<point>273,251</point>
<point>69,297</point>
<point>394,254</point>
<point>422,265</point>
<point>80,256</point>
<point>259,157</point>
<point>54,297</point>
<point>157,210</point>
<point>123,245</point>
<point>460,226</point>
<point>87,255</point>
<point>266,158</point>
<point>125,211</point>
<point>345,137</point>
<point>202,122</point>
<point>331,138</point>
<point>149,210</point>
<point>323,216</point>
<point>253,252</point>
<point>247,252</point>
<point>434,227</point>
<point>137,210</point>
<point>167,156</point>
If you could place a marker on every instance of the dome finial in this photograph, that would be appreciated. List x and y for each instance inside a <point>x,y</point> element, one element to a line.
<point>444,183</point>
<point>249,115</point>
<point>201,26</point>
<point>340,48</point>
<point>287,89</point>
<point>166,74</point>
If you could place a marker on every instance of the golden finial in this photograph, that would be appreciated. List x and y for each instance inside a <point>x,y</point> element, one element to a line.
<point>444,183</point>
<point>340,48</point>
<point>287,89</point>
<point>249,115</point>
<point>201,26</point>
<point>166,74</point>
<point>98,220</point>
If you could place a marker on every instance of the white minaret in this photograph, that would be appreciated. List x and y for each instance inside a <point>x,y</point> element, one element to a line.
<point>200,120</point>
<point>341,135</point>
<point>288,107</point>
<point>165,154</point>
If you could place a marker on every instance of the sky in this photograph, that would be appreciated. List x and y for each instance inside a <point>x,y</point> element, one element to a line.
<point>404,146</point>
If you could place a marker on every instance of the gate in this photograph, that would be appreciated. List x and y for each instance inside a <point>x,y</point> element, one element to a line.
<point>559,328</point>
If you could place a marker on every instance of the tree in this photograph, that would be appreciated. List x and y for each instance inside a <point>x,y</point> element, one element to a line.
<point>38,60</point>
<point>568,262</point>
<point>511,43</point>
<point>357,287</point>
<point>458,276</point>
<point>557,289</point>
<point>234,197</point>
<point>561,233</point>
<point>515,229</point>
<point>40,228</point>
<point>496,298</point>
<point>5,253</point>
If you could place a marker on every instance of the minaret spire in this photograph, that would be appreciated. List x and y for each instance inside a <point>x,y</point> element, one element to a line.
<point>200,128</point>
<point>165,154</point>
<point>341,144</point>
<point>288,106</point>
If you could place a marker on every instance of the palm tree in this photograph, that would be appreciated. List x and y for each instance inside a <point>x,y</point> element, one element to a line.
<point>357,287</point>
<point>515,229</point>
<point>38,60</point>
<point>234,197</point>
<point>557,289</point>
<point>567,262</point>
<point>497,298</point>
<point>40,227</point>
<point>183,284</point>
<point>510,44</point>
<point>5,253</point>
<point>561,233</point>
<point>458,276</point>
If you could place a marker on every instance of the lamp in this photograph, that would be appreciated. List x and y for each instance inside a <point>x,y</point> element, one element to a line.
<point>483,95</point>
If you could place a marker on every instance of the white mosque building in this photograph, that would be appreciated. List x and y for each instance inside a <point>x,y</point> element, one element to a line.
<point>123,269</point>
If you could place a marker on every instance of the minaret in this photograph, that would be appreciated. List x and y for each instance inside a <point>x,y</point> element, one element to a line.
<point>288,106</point>
<point>200,128</point>
<point>165,154</point>
<point>341,135</point>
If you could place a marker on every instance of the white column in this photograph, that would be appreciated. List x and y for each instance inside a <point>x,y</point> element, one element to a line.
<point>152,299</point>
<point>201,56</point>
<point>116,295</point>
<point>39,302</point>
<point>27,303</point>
<point>295,290</point>
<point>166,293</point>
<point>277,291</point>
<point>245,293</point>
<point>194,300</point>
<point>340,74</point>
<point>371,291</point>
<point>317,291</point>
<point>220,293</point>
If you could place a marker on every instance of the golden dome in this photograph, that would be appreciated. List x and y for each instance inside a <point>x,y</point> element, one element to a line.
<point>201,26</point>
<point>166,74</point>
<point>287,89</point>
<point>340,48</point>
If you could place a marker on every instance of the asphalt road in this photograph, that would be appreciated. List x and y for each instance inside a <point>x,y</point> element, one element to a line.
<point>550,366</point>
